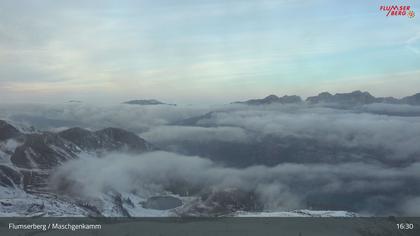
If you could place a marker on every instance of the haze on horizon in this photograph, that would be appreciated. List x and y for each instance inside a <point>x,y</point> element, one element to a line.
<point>203,51</point>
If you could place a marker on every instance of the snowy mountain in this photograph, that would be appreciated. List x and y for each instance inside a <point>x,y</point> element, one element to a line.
<point>27,160</point>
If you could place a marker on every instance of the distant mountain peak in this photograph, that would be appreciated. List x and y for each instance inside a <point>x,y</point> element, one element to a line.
<point>356,97</point>
<point>324,94</point>
<point>147,102</point>
<point>273,99</point>
<point>272,96</point>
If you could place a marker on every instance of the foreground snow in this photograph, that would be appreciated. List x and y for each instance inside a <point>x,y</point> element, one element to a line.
<point>15,203</point>
<point>297,213</point>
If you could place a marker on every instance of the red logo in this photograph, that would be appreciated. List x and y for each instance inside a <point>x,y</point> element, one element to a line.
<point>398,10</point>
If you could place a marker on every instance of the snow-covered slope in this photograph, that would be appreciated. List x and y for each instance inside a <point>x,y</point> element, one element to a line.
<point>28,158</point>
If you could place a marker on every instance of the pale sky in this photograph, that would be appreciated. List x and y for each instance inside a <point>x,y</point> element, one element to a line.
<point>203,51</point>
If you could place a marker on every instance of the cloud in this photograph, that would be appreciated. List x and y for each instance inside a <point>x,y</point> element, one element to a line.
<point>411,206</point>
<point>190,50</point>
<point>130,117</point>
<point>167,134</point>
<point>356,160</point>
<point>377,126</point>
<point>346,186</point>
<point>392,109</point>
<point>344,128</point>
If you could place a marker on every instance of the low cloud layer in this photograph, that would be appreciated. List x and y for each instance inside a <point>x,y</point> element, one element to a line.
<point>399,134</point>
<point>364,188</point>
<point>167,134</point>
<point>131,117</point>
<point>364,159</point>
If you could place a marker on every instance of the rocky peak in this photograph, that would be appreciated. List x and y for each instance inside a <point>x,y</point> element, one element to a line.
<point>354,98</point>
<point>273,99</point>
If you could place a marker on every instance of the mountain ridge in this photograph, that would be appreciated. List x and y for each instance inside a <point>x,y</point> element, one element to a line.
<point>353,98</point>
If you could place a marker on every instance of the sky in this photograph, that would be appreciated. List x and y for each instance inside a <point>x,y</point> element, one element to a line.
<point>204,51</point>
